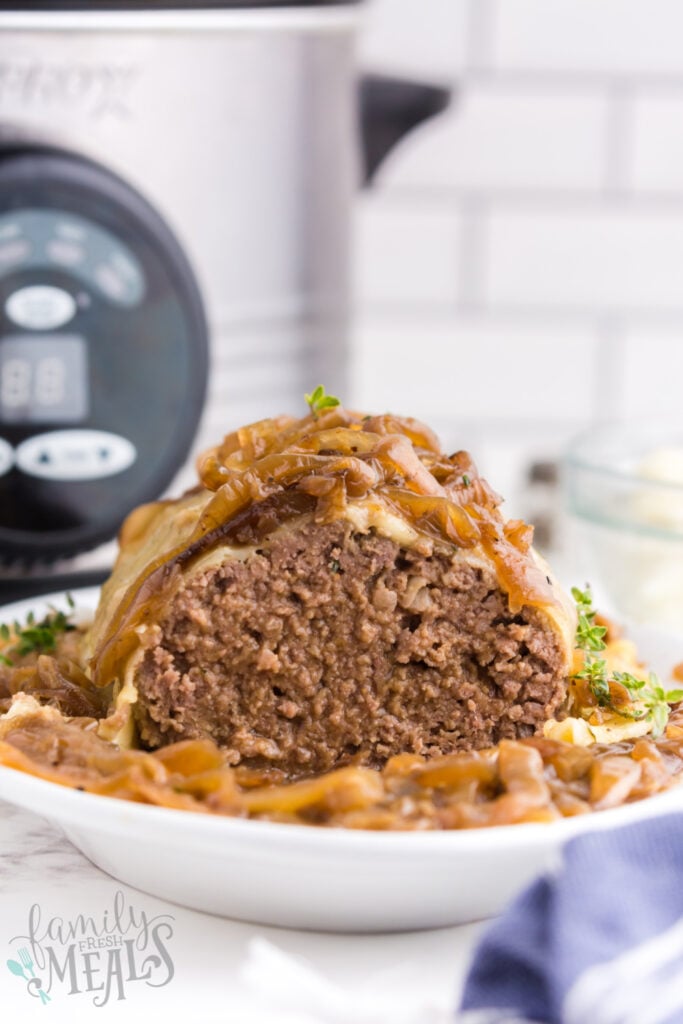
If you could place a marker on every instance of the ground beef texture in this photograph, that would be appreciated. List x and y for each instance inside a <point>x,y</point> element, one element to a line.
<point>328,646</point>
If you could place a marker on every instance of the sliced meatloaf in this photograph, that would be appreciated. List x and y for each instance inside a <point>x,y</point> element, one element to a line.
<point>349,613</point>
<point>328,645</point>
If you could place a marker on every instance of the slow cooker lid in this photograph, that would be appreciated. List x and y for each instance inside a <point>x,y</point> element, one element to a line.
<point>169,5</point>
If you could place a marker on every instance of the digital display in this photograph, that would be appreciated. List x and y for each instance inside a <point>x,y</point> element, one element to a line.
<point>43,379</point>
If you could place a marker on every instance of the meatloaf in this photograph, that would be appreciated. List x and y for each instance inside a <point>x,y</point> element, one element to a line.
<point>336,590</point>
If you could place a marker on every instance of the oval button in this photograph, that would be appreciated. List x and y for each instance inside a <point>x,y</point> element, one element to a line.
<point>40,307</point>
<point>75,455</point>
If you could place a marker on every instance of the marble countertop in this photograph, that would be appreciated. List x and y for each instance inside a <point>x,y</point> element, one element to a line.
<point>214,969</point>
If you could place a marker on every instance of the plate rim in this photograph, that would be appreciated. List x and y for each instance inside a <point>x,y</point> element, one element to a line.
<point>113,813</point>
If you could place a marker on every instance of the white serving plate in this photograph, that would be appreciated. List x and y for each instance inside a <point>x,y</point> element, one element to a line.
<point>315,878</point>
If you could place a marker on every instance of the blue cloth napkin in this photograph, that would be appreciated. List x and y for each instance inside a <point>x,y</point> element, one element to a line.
<point>600,942</point>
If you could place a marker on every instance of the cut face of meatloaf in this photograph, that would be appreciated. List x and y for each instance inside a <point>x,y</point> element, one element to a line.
<point>326,644</point>
<point>335,589</point>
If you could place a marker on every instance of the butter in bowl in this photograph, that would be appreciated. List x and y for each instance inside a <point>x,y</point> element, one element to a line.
<point>624,494</point>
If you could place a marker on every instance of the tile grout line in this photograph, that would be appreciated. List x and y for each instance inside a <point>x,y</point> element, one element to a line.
<point>580,79</point>
<point>608,379</point>
<point>535,196</point>
<point>479,31</point>
<point>474,306</point>
<point>619,140</point>
<point>472,258</point>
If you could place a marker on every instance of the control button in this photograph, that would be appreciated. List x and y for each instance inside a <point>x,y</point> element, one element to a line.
<point>6,457</point>
<point>9,229</point>
<point>16,251</point>
<point>111,282</point>
<point>40,307</point>
<point>68,254</point>
<point>75,455</point>
<point>71,229</point>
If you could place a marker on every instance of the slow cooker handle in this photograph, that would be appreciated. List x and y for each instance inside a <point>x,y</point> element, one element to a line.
<point>389,109</point>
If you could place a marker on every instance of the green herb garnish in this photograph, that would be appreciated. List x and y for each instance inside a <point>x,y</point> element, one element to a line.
<point>36,637</point>
<point>466,480</point>
<point>652,695</point>
<point>649,694</point>
<point>318,400</point>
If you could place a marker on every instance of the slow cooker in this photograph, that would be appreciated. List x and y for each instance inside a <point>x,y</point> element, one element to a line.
<point>175,190</point>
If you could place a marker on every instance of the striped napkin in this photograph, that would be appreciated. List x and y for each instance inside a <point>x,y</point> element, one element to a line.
<point>600,942</point>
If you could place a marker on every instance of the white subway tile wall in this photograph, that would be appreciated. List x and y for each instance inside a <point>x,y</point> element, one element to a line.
<point>413,35</point>
<point>386,267</point>
<point>656,158</point>
<point>519,263</point>
<point>643,387</point>
<point>498,137</point>
<point>487,368</point>
<point>598,258</point>
<point>602,37</point>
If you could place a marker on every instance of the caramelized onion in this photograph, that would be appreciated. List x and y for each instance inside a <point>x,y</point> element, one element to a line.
<point>56,682</point>
<point>267,472</point>
<point>531,780</point>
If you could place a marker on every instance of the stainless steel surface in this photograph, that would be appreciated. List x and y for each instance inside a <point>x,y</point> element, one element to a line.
<point>241,129</point>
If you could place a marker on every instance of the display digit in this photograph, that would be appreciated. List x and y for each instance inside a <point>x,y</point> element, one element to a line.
<point>15,389</point>
<point>50,381</point>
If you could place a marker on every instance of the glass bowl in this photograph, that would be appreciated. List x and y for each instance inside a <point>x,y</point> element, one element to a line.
<point>624,495</point>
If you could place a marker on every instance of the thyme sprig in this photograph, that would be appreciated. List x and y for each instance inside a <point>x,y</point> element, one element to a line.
<point>33,636</point>
<point>649,695</point>
<point>653,697</point>
<point>318,400</point>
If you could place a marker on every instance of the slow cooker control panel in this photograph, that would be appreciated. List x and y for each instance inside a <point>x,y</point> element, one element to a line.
<point>47,350</point>
<point>103,354</point>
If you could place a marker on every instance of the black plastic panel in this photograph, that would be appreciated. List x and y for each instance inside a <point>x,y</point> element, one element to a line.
<point>146,362</point>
